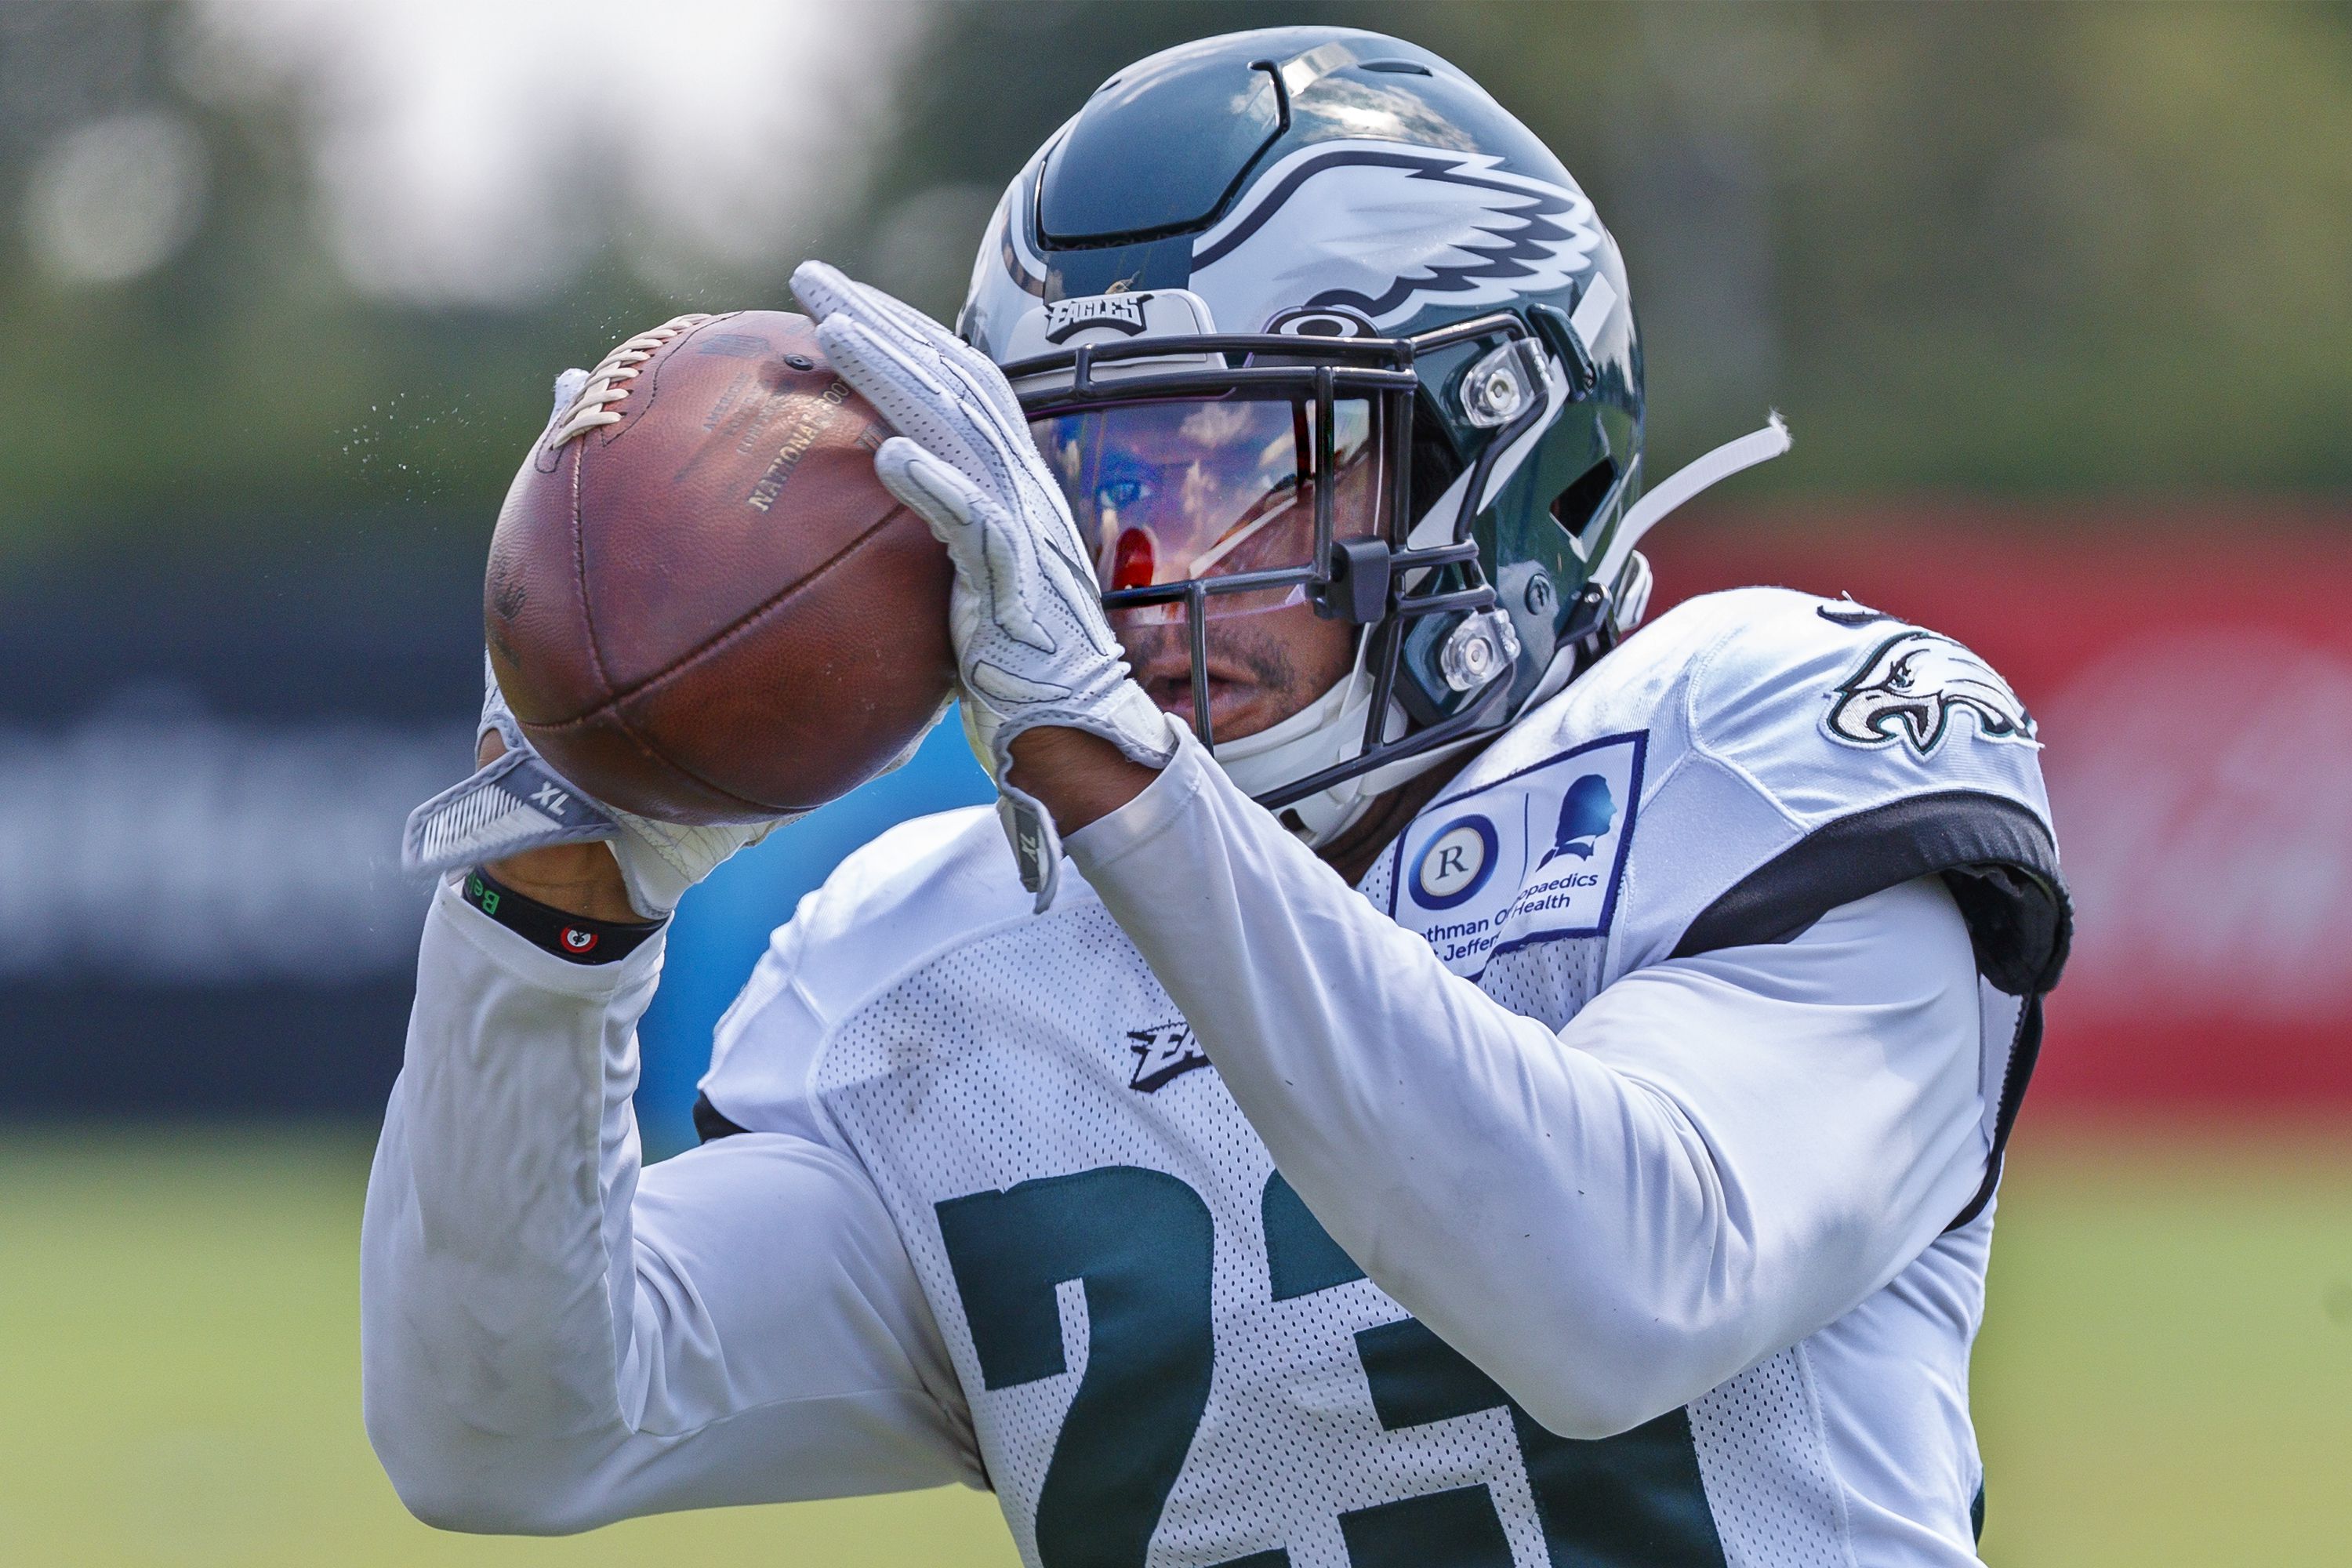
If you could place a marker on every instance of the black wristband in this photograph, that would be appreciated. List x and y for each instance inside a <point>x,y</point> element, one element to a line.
<point>573,938</point>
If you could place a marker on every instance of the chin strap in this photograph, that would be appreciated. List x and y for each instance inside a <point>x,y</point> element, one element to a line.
<point>1757,447</point>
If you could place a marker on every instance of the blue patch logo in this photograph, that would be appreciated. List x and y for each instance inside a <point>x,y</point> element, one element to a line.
<point>1454,863</point>
<point>1534,856</point>
<point>1586,812</point>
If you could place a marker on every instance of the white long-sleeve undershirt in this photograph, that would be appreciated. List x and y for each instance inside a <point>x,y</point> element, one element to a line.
<point>549,1343</point>
<point>1717,1156</point>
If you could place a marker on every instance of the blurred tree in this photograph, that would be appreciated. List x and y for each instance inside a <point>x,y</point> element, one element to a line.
<point>239,381</point>
<point>2007,250</point>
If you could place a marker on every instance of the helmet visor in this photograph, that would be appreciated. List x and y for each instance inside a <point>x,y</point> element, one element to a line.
<point>1168,492</point>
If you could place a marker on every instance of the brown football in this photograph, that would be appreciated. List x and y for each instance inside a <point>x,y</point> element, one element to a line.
<point>701,604</point>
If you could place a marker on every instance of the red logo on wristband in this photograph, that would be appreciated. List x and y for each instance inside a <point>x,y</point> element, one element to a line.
<point>578,941</point>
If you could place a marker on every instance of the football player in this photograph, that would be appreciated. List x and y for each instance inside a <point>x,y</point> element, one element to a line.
<point>1437,1079</point>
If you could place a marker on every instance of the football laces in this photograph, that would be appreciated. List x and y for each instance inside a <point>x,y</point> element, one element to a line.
<point>608,383</point>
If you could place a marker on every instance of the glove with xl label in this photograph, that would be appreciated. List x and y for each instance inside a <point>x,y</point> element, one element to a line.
<point>516,802</point>
<point>1033,645</point>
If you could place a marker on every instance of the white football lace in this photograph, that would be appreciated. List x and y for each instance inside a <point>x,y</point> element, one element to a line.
<point>607,383</point>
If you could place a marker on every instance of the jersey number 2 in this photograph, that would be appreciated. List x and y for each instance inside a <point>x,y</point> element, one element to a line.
<point>1140,1244</point>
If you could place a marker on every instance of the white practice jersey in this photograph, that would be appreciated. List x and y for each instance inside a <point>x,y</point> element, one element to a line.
<point>1604,1181</point>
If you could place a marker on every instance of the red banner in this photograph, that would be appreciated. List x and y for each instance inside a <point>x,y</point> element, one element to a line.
<point>2192,679</point>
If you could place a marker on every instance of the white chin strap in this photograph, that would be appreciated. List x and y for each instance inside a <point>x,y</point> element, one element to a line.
<point>1756,447</point>
<point>1327,730</point>
<point>1331,729</point>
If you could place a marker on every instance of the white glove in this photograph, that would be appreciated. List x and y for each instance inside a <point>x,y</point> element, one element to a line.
<point>516,802</point>
<point>1033,645</point>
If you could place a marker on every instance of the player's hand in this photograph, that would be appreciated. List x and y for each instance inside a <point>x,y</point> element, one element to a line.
<point>516,803</point>
<point>1033,645</point>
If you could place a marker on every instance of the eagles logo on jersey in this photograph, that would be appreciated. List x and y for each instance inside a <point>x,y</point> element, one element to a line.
<point>1910,689</point>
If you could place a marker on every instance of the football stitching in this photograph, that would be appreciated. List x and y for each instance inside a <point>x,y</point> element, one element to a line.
<point>607,383</point>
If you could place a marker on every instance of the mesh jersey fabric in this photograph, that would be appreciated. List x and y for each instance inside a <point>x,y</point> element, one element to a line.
<point>1020,1090</point>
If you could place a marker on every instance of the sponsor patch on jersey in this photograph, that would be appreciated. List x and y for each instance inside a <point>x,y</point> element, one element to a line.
<point>1457,861</point>
<point>1909,690</point>
<point>1532,858</point>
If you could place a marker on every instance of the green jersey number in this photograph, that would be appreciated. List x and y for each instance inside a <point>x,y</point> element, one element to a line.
<point>1140,1245</point>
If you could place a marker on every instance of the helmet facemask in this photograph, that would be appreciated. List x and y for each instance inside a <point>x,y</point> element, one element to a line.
<point>1219,477</point>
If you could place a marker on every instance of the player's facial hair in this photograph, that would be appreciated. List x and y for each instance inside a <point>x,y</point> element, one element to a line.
<point>1263,650</point>
<point>1269,665</point>
<point>1266,660</point>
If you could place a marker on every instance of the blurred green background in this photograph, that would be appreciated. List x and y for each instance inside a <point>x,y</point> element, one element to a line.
<point>283,282</point>
<point>2165,1377</point>
<point>277,256</point>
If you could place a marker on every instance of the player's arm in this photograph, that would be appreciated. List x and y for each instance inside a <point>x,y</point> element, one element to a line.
<point>1717,1157</point>
<point>548,1342</point>
<point>551,1341</point>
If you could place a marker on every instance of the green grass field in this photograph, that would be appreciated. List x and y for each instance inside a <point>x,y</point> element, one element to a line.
<point>2166,1375</point>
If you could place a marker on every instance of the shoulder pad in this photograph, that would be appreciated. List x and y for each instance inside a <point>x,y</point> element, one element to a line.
<point>1824,701</point>
<point>1890,751</point>
<point>1786,754</point>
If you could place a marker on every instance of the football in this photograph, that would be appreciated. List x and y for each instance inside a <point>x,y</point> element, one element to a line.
<point>700,604</point>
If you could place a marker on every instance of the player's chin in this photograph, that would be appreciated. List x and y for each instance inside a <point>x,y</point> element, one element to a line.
<point>1237,708</point>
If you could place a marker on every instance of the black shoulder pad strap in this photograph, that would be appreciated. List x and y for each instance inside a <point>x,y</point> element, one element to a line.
<point>1996,857</point>
<point>2023,1054</point>
<point>1998,861</point>
<point>710,1122</point>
